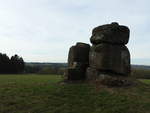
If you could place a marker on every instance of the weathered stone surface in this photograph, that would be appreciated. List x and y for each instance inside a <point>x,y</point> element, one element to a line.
<point>110,33</point>
<point>110,58</point>
<point>111,81</point>
<point>75,74</point>
<point>77,71</point>
<point>91,73</point>
<point>80,65</point>
<point>78,53</point>
<point>78,61</point>
<point>104,78</point>
<point>106,60</point>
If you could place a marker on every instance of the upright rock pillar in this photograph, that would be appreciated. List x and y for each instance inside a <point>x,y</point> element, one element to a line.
<point>109,54</point>
<point>78,61</point>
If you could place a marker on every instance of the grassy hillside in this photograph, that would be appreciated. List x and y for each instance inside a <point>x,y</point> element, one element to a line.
<point>45,94</point>
<point>140,73</point>
<point>146,81</point>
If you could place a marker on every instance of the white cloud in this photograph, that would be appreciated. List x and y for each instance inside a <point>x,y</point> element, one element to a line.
<point>43,30</point>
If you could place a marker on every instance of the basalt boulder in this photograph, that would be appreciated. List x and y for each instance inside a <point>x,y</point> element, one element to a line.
<point>77,71</point>
<point>79,53</point>
<point>110,33</point>
<point>92,73</point>
<point>78,61</point>
<point>110,58</point>
<point>75,74</point>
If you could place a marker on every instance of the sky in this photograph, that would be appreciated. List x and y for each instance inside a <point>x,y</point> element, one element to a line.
<point>44,30</point>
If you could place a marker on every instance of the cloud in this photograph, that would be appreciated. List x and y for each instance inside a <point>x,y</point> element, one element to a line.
<point>43,30</point>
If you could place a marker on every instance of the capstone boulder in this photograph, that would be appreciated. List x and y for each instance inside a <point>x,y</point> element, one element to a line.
<point>110,33</point>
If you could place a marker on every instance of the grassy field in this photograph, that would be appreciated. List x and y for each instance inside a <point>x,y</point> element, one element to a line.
<point>140,73</point>
<point>45,94</point>
<point>146,81</point>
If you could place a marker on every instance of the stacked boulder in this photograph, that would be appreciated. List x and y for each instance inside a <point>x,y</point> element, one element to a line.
<point>78,61</point>
<point>108,54</point>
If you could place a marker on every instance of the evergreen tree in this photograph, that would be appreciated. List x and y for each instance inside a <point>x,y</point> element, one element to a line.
<point>13,65</point>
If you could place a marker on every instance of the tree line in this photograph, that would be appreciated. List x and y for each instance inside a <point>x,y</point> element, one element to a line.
<point>15,64</point>
<point>45,68</point>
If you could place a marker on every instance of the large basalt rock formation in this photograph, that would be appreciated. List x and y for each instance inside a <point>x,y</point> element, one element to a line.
<point>78,61</point>
<point>108,54</point>
<point>107,57</point>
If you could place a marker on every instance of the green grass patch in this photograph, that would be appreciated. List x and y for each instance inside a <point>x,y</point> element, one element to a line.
<point>146,81</point>
<point>44,94</point>
<point>140,73</point>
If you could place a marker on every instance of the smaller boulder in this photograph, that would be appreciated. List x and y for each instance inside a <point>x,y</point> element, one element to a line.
<point>78,61</point>
<point>78,53</point>
<point>75,74</point>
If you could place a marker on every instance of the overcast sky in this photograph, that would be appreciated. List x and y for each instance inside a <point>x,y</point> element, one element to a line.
<point>44,30</point>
